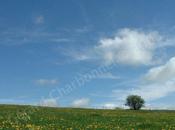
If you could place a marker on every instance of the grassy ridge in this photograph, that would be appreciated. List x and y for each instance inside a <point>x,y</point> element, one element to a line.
<point>39,118</point>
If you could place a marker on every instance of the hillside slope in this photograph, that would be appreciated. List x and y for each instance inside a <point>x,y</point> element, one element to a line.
<point>41,118</point>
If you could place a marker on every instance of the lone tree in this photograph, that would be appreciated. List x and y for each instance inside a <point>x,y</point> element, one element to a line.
<point>135,102</point>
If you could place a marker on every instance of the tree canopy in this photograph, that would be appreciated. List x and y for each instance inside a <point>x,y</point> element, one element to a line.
<point>135,102</point>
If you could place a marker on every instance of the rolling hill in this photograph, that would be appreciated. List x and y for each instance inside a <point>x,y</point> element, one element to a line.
<point>14,117</point>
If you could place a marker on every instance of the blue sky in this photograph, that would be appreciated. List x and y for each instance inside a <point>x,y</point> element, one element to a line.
<point>46,46</point>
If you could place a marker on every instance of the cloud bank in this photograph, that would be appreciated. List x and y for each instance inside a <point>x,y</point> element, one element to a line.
<point>49,102</point>
<point>83,102</point>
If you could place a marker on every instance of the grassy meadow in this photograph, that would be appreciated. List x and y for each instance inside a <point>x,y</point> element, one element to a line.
<point>41,118</point>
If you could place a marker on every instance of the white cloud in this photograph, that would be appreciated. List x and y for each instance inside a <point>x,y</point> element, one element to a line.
<point>109,106</point>
<point>79,56</point>
<point>156,90</point>
<point>160,106</point>
<point>47,81</point>
<point>162,73</point>
<point>61,40</point>
<point>83,102</point>
<point>158,82</point>
<point>49,102</point>
<point>129,46</point>
<point>108,75</point>
<point>149,92</point>
<point>39,19</point>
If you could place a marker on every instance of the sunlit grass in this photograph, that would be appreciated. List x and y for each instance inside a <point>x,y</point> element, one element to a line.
<point>34,118</point>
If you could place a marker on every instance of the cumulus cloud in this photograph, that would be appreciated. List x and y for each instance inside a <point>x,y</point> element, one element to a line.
<point>83,102</point>
<point>129,46</point>
<point>46,81</point>
<point>49,102</point>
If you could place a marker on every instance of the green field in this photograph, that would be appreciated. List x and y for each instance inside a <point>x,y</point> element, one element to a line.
<point>40,118</point>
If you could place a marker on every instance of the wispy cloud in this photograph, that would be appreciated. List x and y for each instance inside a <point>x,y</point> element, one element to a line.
<point>44,82</point>
<point>78,55</point>
<point>61,40</point>
<point>12,100</point>
<point>107,75</point>
<point>20,36</point>
<point>39,19</point>
<point>23,36</point>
